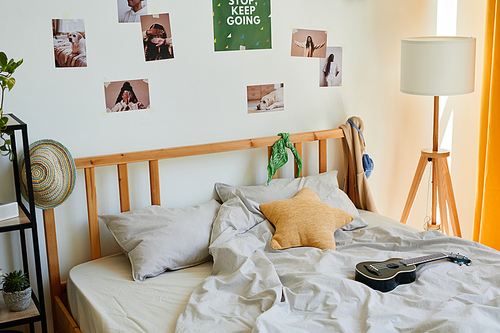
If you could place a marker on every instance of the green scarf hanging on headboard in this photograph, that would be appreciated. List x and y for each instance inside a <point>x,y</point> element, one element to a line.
<point>279,157</point>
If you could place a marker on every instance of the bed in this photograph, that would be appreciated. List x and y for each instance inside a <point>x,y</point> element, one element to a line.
<point>237,281</point>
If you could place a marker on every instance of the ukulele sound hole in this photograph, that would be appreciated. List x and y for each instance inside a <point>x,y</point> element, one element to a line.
<point>392,265</point>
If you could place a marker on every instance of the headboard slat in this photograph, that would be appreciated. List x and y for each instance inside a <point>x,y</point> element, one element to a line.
<point>154,180</point>
<point>123,186</point>
<point>95,244</point>
<point>322,156</point>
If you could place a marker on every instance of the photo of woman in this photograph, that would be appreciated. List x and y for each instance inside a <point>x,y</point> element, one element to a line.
<point>331,68</point>
<point>309,43</point>
<point>157,37</point>
<point>127,95</point>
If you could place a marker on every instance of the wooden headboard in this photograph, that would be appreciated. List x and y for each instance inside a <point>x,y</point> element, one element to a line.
<point>63,322</point>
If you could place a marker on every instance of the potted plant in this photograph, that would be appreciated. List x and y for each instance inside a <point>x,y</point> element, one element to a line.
<point>16,290</point>
<point>7,68</point>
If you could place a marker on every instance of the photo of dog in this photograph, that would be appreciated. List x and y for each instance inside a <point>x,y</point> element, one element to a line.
<point>70,43</point>
<point>267,97</point>
<point>78,43</point>
<point>272,100</point>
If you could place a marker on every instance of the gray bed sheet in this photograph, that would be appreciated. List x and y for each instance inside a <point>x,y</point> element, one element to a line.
<point>254,288</point>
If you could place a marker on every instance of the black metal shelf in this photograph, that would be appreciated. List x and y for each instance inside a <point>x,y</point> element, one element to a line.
<point>24,223</point>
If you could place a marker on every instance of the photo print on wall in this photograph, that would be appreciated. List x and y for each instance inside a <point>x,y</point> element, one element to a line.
<point>70,44</point>
<point>242,24</point>
<point>266,97</point>
<point>131,10</point>
<point>309,43</point>
<point>127,95</point>
<point>157,37</point>
<point>331,68</point>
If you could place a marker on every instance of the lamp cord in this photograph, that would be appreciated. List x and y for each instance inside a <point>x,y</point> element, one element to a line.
<point>428,217</point>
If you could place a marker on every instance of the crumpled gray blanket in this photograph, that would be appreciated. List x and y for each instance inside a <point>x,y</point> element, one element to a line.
<point>254,288</point>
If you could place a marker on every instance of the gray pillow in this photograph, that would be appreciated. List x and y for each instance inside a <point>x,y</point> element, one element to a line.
<point>157,239</point>
<point>325,185</point>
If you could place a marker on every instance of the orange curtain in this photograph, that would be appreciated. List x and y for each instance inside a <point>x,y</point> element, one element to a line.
<point>487,209</point>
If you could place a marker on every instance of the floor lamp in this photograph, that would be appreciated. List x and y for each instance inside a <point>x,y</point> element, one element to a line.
<point>437,66</point>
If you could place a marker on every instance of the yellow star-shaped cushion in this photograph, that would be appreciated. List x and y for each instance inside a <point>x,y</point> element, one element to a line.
<point>304,220</point>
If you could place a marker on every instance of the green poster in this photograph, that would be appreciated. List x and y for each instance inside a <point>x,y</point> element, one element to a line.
<point>242,23</point>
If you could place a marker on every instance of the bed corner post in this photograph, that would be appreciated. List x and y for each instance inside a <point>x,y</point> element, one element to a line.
<point>52,258</point>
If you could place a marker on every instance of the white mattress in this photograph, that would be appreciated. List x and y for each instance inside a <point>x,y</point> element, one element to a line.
<point>104,298</point>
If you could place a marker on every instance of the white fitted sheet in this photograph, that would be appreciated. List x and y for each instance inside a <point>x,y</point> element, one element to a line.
<point>103,297</point>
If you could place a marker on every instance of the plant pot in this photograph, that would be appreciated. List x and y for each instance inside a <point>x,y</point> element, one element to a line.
<point>17,300</point>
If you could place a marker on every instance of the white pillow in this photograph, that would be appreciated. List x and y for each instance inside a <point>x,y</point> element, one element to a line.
<point>325,185</point>
<point>157,239</point>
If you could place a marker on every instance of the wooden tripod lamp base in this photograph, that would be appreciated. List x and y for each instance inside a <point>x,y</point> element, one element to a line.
<point>442,191</point>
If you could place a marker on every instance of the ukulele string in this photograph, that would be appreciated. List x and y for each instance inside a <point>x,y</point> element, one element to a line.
<point>413,261</point>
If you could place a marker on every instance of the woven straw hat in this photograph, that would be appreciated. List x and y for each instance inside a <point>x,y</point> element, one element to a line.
<point>53,172</point>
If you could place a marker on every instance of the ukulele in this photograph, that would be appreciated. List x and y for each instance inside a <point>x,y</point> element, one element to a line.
<point>387,275</point>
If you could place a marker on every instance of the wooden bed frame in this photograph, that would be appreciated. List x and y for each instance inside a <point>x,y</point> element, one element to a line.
<point>63,321</point>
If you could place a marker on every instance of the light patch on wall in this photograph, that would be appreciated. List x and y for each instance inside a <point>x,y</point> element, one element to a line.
<point>446,18</point>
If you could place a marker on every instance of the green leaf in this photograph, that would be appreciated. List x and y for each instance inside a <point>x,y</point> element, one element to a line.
<point>7,82</point>
<point>19,63</point>
<point>10,82</point>
<point>3,60</point>
<point>9,68</point>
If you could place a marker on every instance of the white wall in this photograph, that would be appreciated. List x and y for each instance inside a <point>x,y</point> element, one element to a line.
<point>200,96</point>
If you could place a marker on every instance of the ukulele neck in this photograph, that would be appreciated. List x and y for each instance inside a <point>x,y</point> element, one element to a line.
<point>424,259</point>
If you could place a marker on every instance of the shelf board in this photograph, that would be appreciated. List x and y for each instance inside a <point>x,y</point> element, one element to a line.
<point>21,219</point>
<point>7,316</point>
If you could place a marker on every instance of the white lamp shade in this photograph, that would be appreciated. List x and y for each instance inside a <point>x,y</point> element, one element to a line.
<point>438,66</point>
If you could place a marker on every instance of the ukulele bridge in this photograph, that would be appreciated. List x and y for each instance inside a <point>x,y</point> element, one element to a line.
<point>373,269</point>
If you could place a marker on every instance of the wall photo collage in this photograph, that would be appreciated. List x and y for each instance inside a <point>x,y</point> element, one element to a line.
<point>238,25</point>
